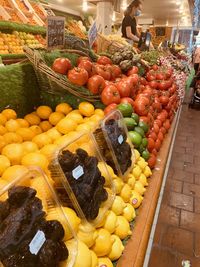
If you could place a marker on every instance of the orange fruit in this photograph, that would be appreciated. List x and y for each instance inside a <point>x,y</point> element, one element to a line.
<point>26,133</point>
<point>45,126</point>
<point>44,112</point>
<point>9,113</point>
<point>99,112</point>
<point>66,125</point>
<point>12,125</point>
<point>23,123</point>
<point>10,138</point>
<point>4,164</point>
<point>48,150</point>
<point>14,172</point>
<point>32,119</point>
<point>3,130</point>
<point>78,118</point>
<point>63,108</point>
<point>35,159</point>
<point>86,109</point>
<point>29,147</point>
<point>55,117</point>
<point>84,127</point>
<point>13,152</point>
<point>35,129</point>
<point>3,119</point>
<point>53,133</point>
<point>42,140</point>
<point>2,142</point>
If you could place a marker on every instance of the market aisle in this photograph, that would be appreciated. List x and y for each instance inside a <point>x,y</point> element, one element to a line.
<point>177,235</point>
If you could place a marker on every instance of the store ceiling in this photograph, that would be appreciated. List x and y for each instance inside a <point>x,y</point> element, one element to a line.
<point>165,12</point>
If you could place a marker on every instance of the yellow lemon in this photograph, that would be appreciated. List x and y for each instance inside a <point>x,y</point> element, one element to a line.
<point>147,171</point>
<point>104,262</point>
<point>3,119</point>
<point>35,129</point>
<point>110,222</point>
<point>45,126</point>
<point>143,180</point>
<point>29,147</point>
<point>12,138</point>
<point>63,108</point>
<point>142,163</point>
<point>14,152</point>
<point>76,111</point>
<point>126,193</point>
<point>131,180</point>
<point>83,128</point>
<point>66,125</point>
<point>87,234</point>
<point>103,243</point>
<point>3,183</point>
<point>129,212</point>
<point>72,218</point>
<point>99,112</point>
<point>55,117</point>
<point>86,109</point>
<point>53,133</point>
<point>94,259</point>
<point>118,183</point>
<point>139,188</point>
<point>35,159</point>
<point>118,205</point>
<point>48,150</point>
<point>44,112</point>
<point>106,172</point>
<point>23,123</point>
<point>26,133</point>
<point>136,199</point>
<point>9,113</point>
<point>75,117</point>
<point>123,228</point>
<point>14,172</point>
<point>32,119</point>
<point>137,155</point>
<point>96,118</point>
<point>117,249</point>
<point>12,125</point>
<point>136,172</point>
<point>4,164</point>
<point>42,140</point>
<point>3,130</point>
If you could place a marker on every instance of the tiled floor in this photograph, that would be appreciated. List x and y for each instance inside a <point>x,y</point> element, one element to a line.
<point>177,235</point>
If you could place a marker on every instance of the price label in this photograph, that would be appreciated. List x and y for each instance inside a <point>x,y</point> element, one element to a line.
<point>77,172</point>
<point>55,32</point>
<point>92,34</point>
<point>120,139</point>
<point>37,242</point>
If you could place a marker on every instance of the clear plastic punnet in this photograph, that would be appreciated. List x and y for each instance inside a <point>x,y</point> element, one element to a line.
<point>82,180</point>
<point>34,230</point>
<point>115,144</point>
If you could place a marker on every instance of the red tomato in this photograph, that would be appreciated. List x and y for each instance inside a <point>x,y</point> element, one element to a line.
<point>96,84</point>
<point>141,106</point>
<point>162,85</point>
<point>163,130</point>
<point>156,128</point>
<point>157,144</point>
<point>103,60</point>
<point>167,124</point>
<point>152,161</point>
<point>172,89</point>
<point>153,84</point>
<point>144,119</point>
<point>160,136</point>
<point>164,100</point>
<point>160,76</point>
<point>82,58</point>
<point>127,100</point>
<point>154,152</point>
<point>86,65</point>
<point>61,65</point>
<point>134,70</point>
<point>157,106</point>
<point>116,71</point>
<point>168,73</point>
<point>110,95</point>
<point>133,79</point>
<point>103,72</point>
<point>161,117</point>
<point>151,144</point>
<point>152,135</point>
<point>78,76</point>
<point>124,88</point>
<point>150,77</point>
<point>110,108</point>
<point>155,67</point>
<point>165,113</point>
<point>143,81</point>
<point>159,122</point>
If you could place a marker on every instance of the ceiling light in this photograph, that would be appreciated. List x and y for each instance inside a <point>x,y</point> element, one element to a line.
<point>114,17</point>
<point>124,5</point>
<point>167,23</point>
<point>85,6</point>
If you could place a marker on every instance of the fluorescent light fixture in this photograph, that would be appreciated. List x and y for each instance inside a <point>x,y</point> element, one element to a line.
<point>85,6</point>
<point>124,5</point>
<point>114,16</point>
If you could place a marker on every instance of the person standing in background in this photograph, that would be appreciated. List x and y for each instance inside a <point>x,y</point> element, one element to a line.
<point>129,23</point>
<point>196,59</point>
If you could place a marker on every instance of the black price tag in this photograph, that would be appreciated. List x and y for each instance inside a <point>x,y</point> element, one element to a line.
<point>55,32</point>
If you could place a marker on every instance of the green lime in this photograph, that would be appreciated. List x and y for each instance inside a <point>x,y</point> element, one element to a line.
<point>145,142</point>
<point>126,109</point>
<point>146,154</point>
<point>135,117</point>
<point>139,130</point>
<point>136,138</point>
<point>130,123</point>
<point>144,126</point>
<point>141,149</point>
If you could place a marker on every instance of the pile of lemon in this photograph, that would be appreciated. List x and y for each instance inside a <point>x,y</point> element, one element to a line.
<point>33,139</point>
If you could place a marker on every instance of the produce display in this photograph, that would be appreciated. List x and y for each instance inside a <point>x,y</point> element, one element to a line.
<point>74,28</point>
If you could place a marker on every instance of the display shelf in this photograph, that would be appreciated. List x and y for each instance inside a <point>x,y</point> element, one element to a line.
<point>14,26</point>
<point>135,250</point>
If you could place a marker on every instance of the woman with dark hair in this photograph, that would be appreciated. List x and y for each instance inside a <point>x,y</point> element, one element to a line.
<point>129,24</point>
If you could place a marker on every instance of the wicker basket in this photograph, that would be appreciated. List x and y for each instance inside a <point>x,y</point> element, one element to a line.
<point>51,82</point>
<point>104,45</point>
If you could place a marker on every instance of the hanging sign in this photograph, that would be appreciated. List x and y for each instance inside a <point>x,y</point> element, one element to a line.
<point>55,32</point>
<point>92,34</point>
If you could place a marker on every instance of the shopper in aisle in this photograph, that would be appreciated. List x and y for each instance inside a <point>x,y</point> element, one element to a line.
<point>129,23</point>
<point>196,59</point>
